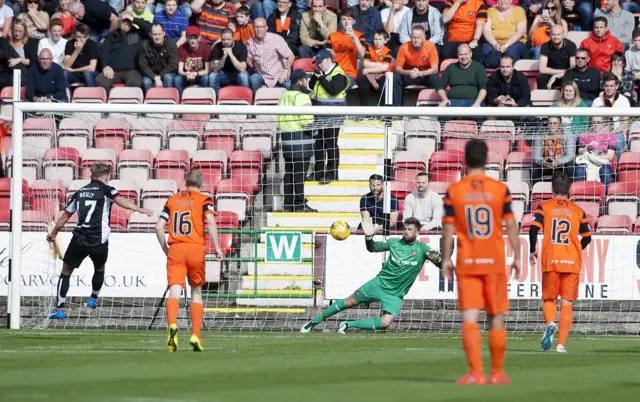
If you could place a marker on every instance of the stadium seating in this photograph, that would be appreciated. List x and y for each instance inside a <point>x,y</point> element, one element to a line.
<point>127,189</point>
<point>407,164</point>
<point>172,165</point>
<point>520,198</point>
<point>247,167</point>
<point>142,223</point>
<point>495,166</point>
<point>185,135</point>
<point>134,166</point>
<point>74,186</point>
<point>35,220</point>
<point>235,197</point>
<point>308,65</point>
<point>614,225</point>
<point>235,95</point>
<point>198,96</point>
<point>258,135</point>
<point>75,133</point>
<point>623,198</point>
<point>423,134</point>
<point>47,196</point>
<point>119,217</point>
<point>89,95</point>
<point>456,133</point>
<point>531,70</point>
<point>540,192</point>
<point>439,187</point>
<point>447,166</point>
<point>126,95</point>
<point>38,136</point>
<point>5,189</point>
<point>212,164</point>
<point>544,97</point>
<point>112,133</point>
<point>220,135</point>
<point>162,96</point>
<point>156,192</point>
<point>268,96</point>
<point>590,196</point>
<point>578,36</point>
<point>94,155</point>
<point>61,163</point>
<point>149,133</point>
<point>31,168</point>
<point>224,220</point>
<point>428,97</point>
<point>5,214</point>
<point>525,222</point>
<point>518,166</point>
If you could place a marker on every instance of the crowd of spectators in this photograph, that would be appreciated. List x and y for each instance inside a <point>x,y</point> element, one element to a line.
<point>178,43</point>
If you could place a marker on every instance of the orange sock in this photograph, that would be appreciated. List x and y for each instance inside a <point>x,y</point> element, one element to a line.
<point>197,314</point>
<point>565,321</point>
<point>497,345</point>
<point>173,305</point>
<point>549,310</point>
<point>472,342</point>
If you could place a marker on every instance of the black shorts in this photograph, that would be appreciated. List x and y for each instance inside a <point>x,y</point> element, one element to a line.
<point>75,254</point>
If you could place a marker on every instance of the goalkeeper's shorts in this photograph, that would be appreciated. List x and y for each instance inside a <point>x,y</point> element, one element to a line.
<point>372,291</point>
<point>186,259</point>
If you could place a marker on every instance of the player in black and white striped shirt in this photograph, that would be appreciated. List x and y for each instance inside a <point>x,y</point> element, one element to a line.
<point>91,236</point>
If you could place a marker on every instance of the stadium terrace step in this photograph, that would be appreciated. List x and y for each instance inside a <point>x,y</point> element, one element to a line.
<point>362,156</point>
<point>335,203</point>
<point>272,268</point>
<point>362,127</point>
<point>360,141</point>
<point>277,282</point>
<point>263,302</point>
<point>307,251</point>
<point>280,298</point>
<point>356,172</point>
<point>277,293</point>
<point>311,219</point>
<point>349,188</point>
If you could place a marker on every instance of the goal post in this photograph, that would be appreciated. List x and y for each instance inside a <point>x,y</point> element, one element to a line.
<point>373,139</point>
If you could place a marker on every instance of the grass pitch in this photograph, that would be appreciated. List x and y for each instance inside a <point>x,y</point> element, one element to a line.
<point>235,367</point>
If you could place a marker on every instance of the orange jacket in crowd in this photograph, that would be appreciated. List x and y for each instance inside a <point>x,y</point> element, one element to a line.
<point>601,49</point>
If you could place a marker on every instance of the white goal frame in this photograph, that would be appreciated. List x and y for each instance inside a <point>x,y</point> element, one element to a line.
<point>20,108</point>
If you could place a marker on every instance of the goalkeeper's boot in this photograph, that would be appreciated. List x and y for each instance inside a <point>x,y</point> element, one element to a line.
<point>308,327</point>
<point>547,339</point>
<point>57,314</point>
<point>196,344</point>
<point>561,349</point>
<point>172,341</point>
<point>342,329</point>
<point>472,379</point>
<point>92,303</point>
<point>499,378</point>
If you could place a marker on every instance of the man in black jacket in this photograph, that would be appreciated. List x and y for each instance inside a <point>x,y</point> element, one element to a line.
<point>508,87</point>
<point>119,53</point>
<point>587,78</point>
<point>46,81</point>
<point>289,28</point>
<point>158,60</point>
<point>6,72</point>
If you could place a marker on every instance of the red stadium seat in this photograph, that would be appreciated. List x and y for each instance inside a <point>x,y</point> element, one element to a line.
<point>134,166</point>
<point>185,135</point>
<point>47,196</point>
<point>119,217</point>
<point>247,167</point>
<point>439,187</point>
<point>126,95</point>
<point>269,96</point>
<point>233,196</point>
<point>456,133</point>
<point>446,166</point>
<point>308,65</point>
<point>544,97</point>
<point>75,133</point>
<point>592,210</point>
<point>127,189</point>
<point>235,95</point>
<point>531,70</point>
<point>93,155</point>
<point>7,94</point>
<point>525,222</point>
<point>5,214</point>
<point>172,165</point>
<point>587,191</point>
<point>156,193</point>
<point>629,161</point>
<point>224,220</point>
<point>162,96</point>
<point>220,135</point>
<point>400,189</point>
<point>540,192</point>
<point>61,163</point>
<point>520,197</point>
<point>5,189</point>
<point>428,97</point>
<point>35,220</point>
<point>38,136</point>
<point>112,133</point>
<point>445,63</point>
<point>423,134</point>
<point>74,186</point>
<point>494,166</point>
<point>407,164</point>
<point>259,135</point>
<point>89,95</point>
<point>212,164</point>
<point>518,166</point>
<point>614,225</point>
<point>198,96</point>
<point>623,198</point>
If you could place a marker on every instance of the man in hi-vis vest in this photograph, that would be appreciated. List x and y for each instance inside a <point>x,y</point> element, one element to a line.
<point>329,85</point>
<point>297,143</point>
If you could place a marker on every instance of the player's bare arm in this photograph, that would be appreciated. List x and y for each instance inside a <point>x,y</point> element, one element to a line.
<point>160,225</point>
<point>128,204</point>
<point>213,234</point>
<point>447,248</point>
<point>514,239</point>
<point>62,220</point>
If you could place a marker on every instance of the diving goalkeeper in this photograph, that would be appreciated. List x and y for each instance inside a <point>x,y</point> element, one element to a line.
<point>399,272</point>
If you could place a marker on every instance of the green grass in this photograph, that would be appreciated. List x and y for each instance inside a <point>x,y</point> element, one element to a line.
<point>235,367</point>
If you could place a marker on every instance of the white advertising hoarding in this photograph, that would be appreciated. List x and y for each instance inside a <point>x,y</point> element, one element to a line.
<point>609,270</point>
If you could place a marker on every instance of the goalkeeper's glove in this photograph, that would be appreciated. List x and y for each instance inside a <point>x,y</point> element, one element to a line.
<point>435,258</point>
<point>368,227</point>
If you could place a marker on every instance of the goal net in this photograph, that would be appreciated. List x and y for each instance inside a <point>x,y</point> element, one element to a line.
<point>281,266</point>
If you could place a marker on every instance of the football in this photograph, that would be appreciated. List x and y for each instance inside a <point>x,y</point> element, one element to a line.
<point>340,230</point>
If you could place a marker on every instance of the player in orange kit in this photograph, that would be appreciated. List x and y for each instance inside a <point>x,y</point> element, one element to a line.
<point>475,207</point>
<point>185,213</point>
<point>562,223</point>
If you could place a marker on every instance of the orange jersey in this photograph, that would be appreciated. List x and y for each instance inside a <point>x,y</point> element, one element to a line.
<point>562,222</point>
<point>477,205</point>
<point>463,25</point>
<point>244,33</point>
<point>185,213</point>
<point>409,58</point>
<point>379,56</point>
<point>346,51</point>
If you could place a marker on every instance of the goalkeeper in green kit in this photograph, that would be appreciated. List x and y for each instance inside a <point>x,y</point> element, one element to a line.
<point>399,272</point>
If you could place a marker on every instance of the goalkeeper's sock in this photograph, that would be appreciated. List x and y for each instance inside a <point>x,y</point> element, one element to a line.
<point>197,315</point>
<point>549,310</point>
<point>472,343</point>
<point>497,345</point>
<point>96,283</point>
<point>333,309</point>
<point>173,305</point>
<point>368,323</point>
<point>63,289</point>
<point>564,323</point>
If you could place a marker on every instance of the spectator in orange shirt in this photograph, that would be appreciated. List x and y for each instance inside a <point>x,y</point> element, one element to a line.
<point>465,21</point>
<point>376,63</point>
<point>416,64</point>
<point>540,31</point>
<point>601,45</point>
<point>348,45</point>
<point>244,29</point>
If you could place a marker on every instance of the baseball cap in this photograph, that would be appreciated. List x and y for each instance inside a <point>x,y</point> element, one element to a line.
<point>298,75</point>
<point>193,31</point>
<point>323,54</point>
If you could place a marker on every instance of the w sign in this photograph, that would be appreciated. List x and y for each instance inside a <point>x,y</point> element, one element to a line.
<point>284,247</point>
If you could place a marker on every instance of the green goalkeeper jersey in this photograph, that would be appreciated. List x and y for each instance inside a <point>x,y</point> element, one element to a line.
<point>402,267</point>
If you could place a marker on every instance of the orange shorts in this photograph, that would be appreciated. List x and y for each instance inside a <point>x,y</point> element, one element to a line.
<point>483,292</point>
<point>186,259</point>
<point>563,284</point>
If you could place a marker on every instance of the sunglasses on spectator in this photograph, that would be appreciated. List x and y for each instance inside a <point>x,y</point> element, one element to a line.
<point>581,57</point>
<point>550,8</point>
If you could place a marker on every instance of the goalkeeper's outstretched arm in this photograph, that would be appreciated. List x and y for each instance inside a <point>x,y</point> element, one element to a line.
<point>369,230</point>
